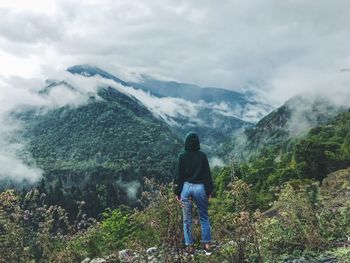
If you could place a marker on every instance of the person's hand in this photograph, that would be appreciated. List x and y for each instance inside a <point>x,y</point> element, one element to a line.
<point>178,198</point>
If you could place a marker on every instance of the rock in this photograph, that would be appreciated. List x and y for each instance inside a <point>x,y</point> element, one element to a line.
<point>152,250</point>
<point>232,243</point>
<point>126,255</point>
<point>98,260</point>
<point>112,258</point>
<point>329,259</point>
<point>152,259</point>
<point>86,260</point>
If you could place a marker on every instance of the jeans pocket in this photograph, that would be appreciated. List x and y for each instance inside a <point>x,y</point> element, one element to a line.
<point>203,190</point>
<point>185,190</point>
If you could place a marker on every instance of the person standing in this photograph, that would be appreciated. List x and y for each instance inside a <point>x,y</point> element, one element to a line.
<point>193,182</point>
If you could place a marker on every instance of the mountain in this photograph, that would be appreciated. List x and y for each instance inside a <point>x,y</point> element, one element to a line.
<point>292,120</point>
<point>92,133</point>
<point>189,92</point>
<point>216,114</point>
<point>242,106</point>
<point>108,132</point>
<point>310,157</point>
<point>109,140</point>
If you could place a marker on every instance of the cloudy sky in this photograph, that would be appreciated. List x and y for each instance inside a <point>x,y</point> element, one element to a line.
<point>281,47</point>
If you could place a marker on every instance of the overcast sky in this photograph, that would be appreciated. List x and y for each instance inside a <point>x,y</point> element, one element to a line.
<point>283,47</point>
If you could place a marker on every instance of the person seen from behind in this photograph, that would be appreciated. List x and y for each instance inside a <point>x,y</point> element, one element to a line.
<point>193,182</point>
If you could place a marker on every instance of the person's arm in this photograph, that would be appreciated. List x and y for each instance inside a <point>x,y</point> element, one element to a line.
<point>178,177</point>
<point>209,187</point>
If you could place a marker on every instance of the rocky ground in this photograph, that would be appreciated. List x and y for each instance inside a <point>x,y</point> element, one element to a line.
<point>153,255</point>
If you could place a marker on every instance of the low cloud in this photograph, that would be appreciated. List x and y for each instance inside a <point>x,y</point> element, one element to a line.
<point>332,84</point>
<point>15,162</point>
<point>170,108</point>
<point>132,188</point>
<point>216,161</point>
<point>17,169</point>
<point>318,97</point>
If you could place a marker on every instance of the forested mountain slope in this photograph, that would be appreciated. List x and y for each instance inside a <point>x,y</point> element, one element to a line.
<point>107,138</point>
<point>325,149</point>
<point>292,120</point>
<point>214,113</point>
<point>99,151</point>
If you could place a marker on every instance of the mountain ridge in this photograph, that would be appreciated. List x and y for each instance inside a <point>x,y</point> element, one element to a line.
<point>214,117</point>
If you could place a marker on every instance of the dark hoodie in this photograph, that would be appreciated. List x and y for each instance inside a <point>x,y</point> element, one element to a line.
<point>192,166</point>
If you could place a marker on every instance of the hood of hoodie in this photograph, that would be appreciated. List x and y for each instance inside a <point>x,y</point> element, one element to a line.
<point>192,142</point>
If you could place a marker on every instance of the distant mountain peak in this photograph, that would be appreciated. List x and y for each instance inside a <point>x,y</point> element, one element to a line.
<point>90,71</point>
<point>83,67</point>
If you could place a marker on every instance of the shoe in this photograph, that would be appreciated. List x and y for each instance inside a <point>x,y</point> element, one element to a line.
<point>207,249</point>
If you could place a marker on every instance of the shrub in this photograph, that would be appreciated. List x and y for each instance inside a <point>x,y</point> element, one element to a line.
<point>291,225</point>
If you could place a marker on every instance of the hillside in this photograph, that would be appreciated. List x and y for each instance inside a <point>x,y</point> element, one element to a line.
<point>99,151</point>
<point>278,129</point>
<point>306,223</point>
<point>116,134</point>
<point>214,113</point>
<point>324,149</point>
<point>289,203</point>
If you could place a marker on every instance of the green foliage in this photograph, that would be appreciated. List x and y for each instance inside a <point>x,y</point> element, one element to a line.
<point>101,239</point>
<point>233,220</point>
<point>161,221</point>
<point>334,215</point>
<point>222,178</point>
<point>13,245</point>
<point>299,222</point>
<point>342,253</point>
<point>335,223</point>
<point>294,225</point>
<point>116,229</point>
<point>29,231</point>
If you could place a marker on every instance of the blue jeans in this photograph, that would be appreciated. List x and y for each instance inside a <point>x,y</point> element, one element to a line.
<point>197,193</point>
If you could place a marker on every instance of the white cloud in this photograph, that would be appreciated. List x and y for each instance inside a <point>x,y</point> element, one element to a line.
<point>131,188</point>
<point>230,43</point>
<point>42,6</point>
<point>16,169</point>
<point>334,85</point>
<point>215,161</point>
<point>31,27</point>
<point>13,65</point>
<point>15,162</point>
<point>169,107</point>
